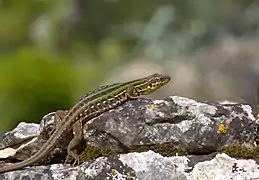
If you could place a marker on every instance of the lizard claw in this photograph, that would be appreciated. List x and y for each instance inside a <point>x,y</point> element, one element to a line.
<point>72,156</point>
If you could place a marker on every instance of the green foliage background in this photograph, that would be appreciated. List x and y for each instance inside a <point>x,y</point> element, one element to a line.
<point>52,51</point>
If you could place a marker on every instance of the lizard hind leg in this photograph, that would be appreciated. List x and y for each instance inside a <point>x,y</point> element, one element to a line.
<point>59,115</point>
<point>49,128</point>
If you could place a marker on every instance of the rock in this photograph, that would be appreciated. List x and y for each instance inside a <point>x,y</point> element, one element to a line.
<point>21,133</point>
<point>26,139</point>
<point>18,139</point>
<point>225,167</point>
<point>199,129</point>
<point>143,166</point>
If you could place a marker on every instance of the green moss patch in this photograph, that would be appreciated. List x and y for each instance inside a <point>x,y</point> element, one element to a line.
<point>92,152</point>
<point>165,149</point>
<point>239,151</point>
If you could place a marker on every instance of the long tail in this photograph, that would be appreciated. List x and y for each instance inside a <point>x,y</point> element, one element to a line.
<point>42,153</point>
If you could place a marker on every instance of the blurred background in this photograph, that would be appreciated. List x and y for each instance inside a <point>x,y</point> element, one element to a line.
<point>53,51</point>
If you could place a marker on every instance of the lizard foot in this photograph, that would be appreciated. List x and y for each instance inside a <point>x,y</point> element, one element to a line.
<point>72,156</point>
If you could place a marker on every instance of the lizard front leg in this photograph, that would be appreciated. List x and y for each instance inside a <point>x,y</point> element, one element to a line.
<point>131,92</point>
<point>78,136</point>
<point>75,142</point>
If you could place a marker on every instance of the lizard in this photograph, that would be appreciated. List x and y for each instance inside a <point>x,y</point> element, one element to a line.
<point>90,106</point>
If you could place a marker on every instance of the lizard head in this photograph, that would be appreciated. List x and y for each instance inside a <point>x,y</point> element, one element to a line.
<point>151,83</point>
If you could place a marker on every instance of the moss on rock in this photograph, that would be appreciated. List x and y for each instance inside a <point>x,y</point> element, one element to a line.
<point>166,149</point>
<point>240,151</point>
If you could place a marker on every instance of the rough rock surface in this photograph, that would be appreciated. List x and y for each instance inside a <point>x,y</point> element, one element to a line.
<point>199,128</point>
<point>144,166</point>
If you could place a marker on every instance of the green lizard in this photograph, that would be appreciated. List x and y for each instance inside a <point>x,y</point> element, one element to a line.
<point>90,106</point>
